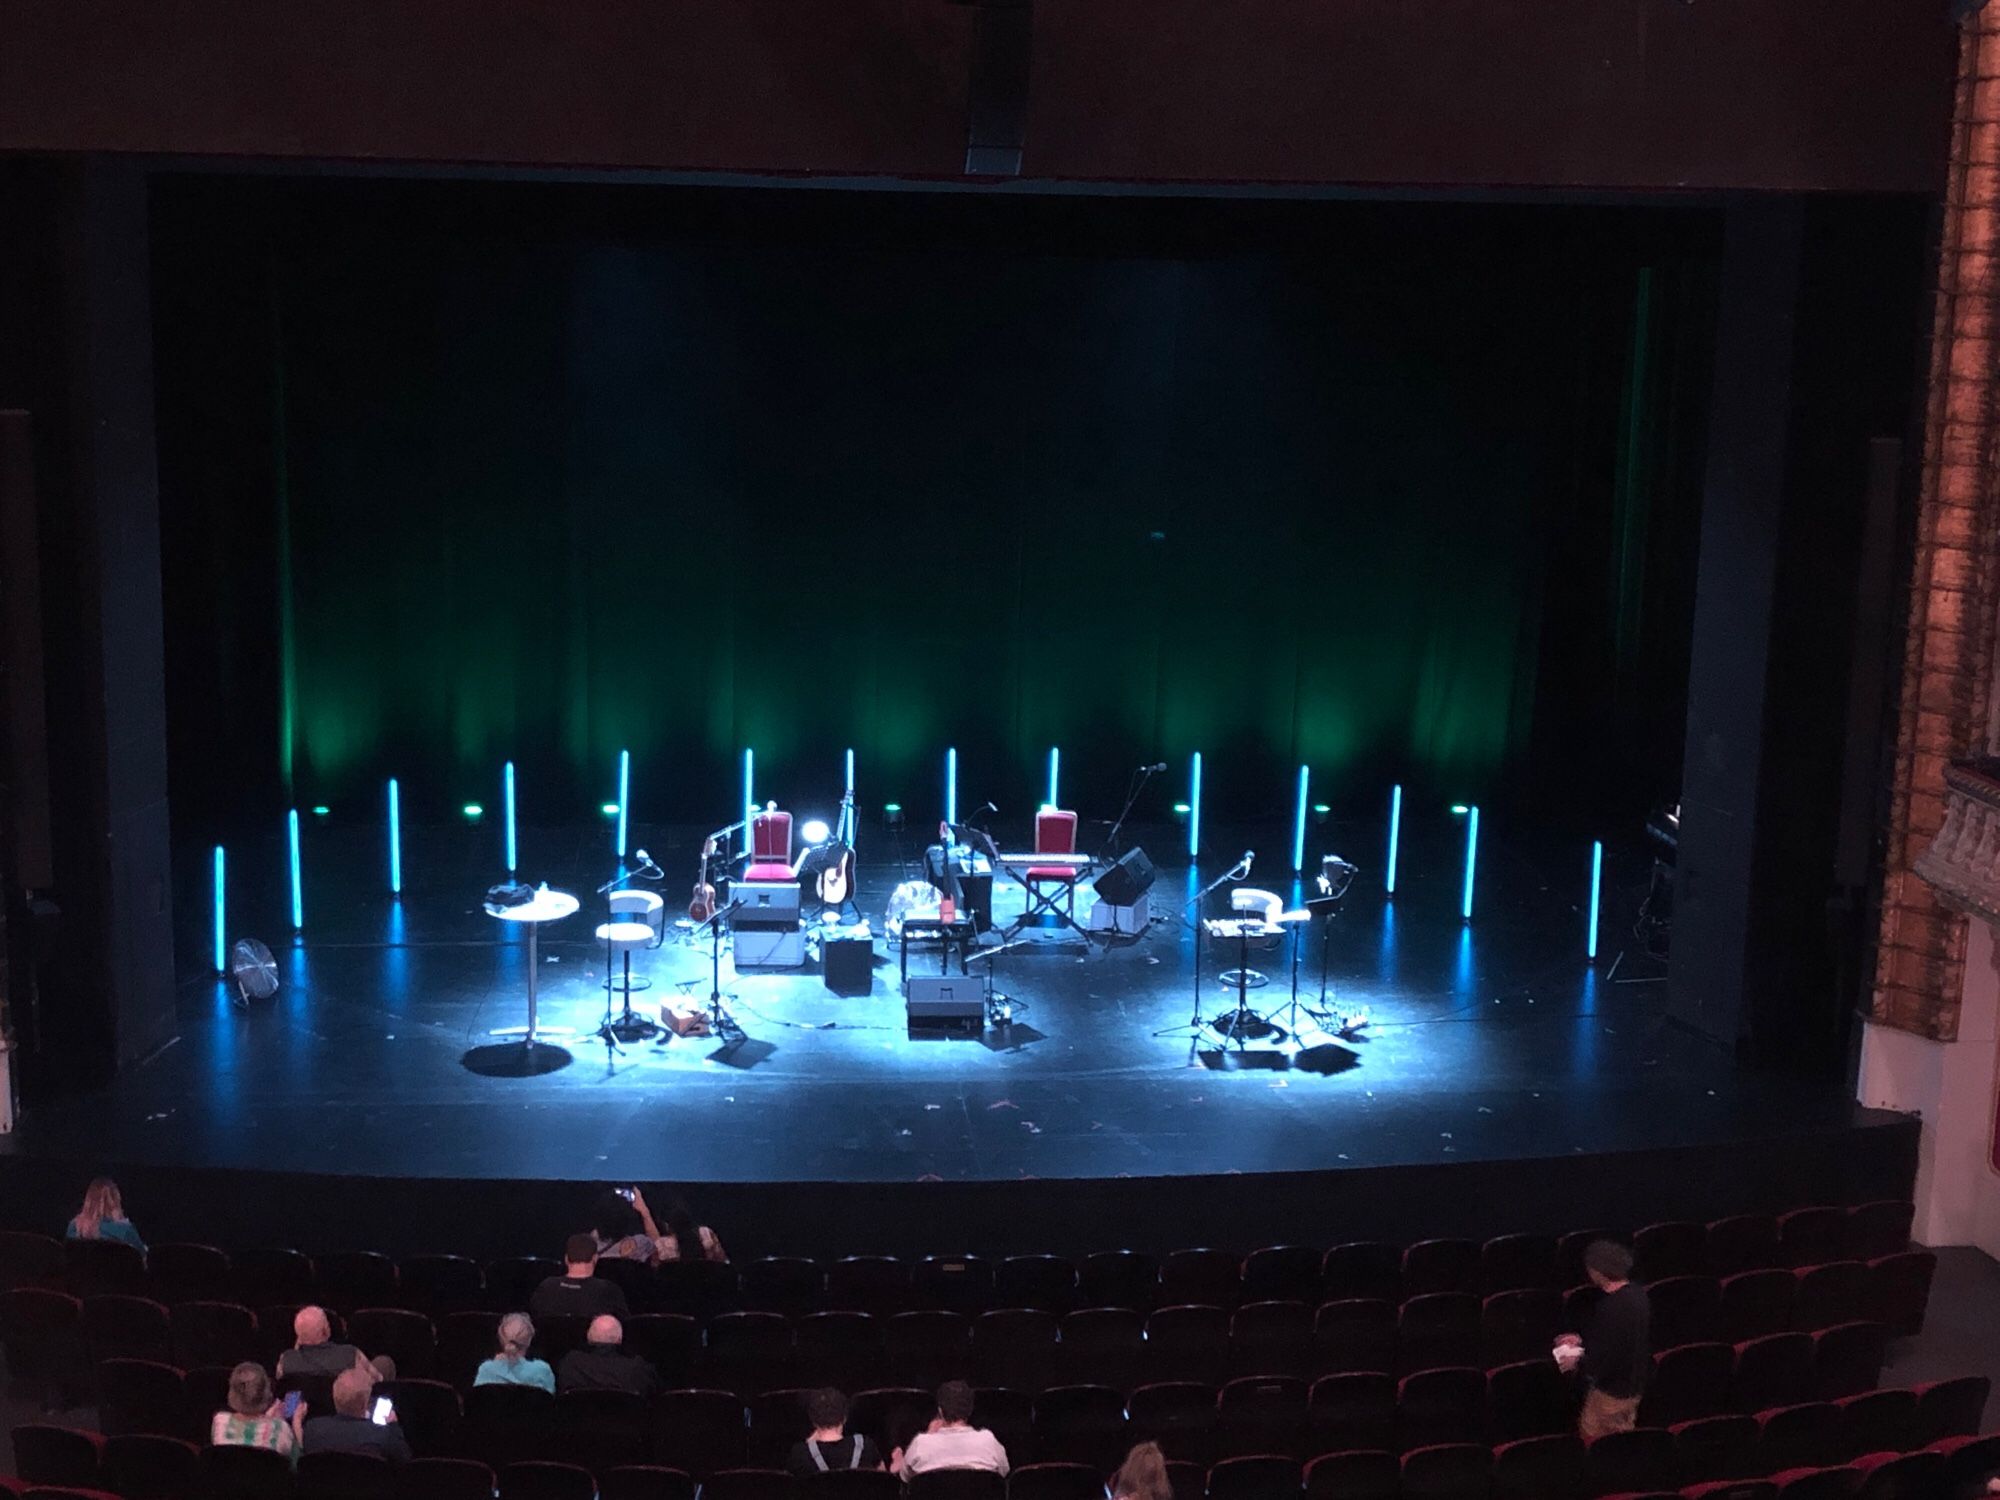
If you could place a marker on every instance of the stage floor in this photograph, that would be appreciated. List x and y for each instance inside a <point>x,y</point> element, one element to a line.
<point>1489,1041</point>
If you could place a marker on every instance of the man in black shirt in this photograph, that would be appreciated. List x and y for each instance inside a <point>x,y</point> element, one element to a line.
<point>830,1447</point>
<point>348,1430</point>
<point>579,1292</point>
<point>603,1364</point>
<point>1617,1348</point>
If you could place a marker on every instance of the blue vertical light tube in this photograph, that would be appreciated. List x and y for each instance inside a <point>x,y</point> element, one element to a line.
<point>1299,823</point>
<point>298,888</point>
<point>1055,765</point>
<point>951,785</point>
<point>1471,860</point>
<point>749,797</point>
<point>507,789</point>
<point>853,823</point>
<point>1596,886</point>
<point>1194,806</point>
<point>1395,835</point>
<point>624,797</point>
<point>221,927</point>
<point>395,838</point>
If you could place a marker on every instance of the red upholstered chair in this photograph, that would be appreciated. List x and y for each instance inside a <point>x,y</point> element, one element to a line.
<point>770,845</point>
<point>1055,833</point>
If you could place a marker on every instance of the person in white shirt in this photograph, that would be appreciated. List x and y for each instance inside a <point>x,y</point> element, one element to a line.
<point>951,1441</point>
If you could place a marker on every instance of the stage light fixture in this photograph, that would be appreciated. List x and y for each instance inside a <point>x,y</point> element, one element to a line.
<point>892,815</point>
<point>1321,811</point>
<point>624,797</point>
<point>219,888</point>
<point>395,838</point>
<point>298,890</point>
<point>322,811</point>
<point>749,795</point>
<point>1055,764</point>
<point>609,809</point>
<point>473,812</point>
<point>814,831</point>
<point>951,785</point>
<point>1395,836</point>
<point>1299,822</point>
<point>1596,885</point>
<point>507,784</point>
<point>1470,812</point>
<point>853,833</point>
<point>1194,806</point>
<point>1182,809</point>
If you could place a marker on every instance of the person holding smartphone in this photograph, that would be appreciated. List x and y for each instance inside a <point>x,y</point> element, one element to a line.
<point>361,1422</point>
<point>255,1419</point>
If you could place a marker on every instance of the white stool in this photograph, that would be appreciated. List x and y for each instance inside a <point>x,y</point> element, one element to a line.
<point>638,921</point>
<point>1260,906</point>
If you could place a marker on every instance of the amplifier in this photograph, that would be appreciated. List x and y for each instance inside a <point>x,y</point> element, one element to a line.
<point>945,1000</point>
<point>772,946</point>
<point>765,901</point>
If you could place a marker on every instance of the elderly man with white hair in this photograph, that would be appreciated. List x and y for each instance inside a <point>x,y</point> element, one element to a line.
<point>314,1355</point>
<point>603,1365</point>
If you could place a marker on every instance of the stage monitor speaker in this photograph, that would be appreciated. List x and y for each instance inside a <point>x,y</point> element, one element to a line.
<point>1125,882</point>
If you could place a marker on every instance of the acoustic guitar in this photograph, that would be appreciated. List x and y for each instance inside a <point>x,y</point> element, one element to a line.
<point>835,882</point>
<point>702,907</point>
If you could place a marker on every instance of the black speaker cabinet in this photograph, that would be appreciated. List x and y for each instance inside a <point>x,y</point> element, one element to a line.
<point>1128,880</point>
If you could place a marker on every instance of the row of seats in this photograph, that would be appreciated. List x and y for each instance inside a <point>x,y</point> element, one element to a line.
<point>346,1281</point>
<point>1008,1346</point>
<point>1557,1467</point>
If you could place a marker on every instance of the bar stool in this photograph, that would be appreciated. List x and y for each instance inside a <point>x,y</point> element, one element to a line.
<point>1254,905</point>
<point>638,921</point>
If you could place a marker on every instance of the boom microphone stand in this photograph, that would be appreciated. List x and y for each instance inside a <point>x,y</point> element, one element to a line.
<point>1196,1027</point>
<point>720,1021</point>
<point>1108,852</point>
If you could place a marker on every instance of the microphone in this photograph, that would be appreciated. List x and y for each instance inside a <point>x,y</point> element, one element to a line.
<point>989,807</point>
<point>1155,768</point>
<point>642,856</point>
<point>1248,855</point>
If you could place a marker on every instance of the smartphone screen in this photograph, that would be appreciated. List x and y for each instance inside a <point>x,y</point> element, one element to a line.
<point>384,1409</point>
<point>628,1194</point>
<point>291,1406</point>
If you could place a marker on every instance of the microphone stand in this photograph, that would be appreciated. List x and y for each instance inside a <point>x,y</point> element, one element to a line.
<point>1108,851</point>
<point>719,1019</point>
<point>1195,1026</point>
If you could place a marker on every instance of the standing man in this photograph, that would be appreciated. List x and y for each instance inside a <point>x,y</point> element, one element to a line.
<point>1616,1355</point>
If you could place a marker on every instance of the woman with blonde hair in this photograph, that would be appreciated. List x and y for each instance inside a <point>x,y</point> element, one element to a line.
<point>1143,1475</point>
<point>102,1217</point>
<point>511,1366</point>
<point>255,1419</point>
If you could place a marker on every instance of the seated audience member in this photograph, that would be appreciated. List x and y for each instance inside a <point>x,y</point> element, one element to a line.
<point>579,1291</point>
<point>1143,1475</point>
<point>830,1447</point>
<point>348,1429</point>
<point>603,1365</point>
<point>102,1217</point>
<point>682,1231</point>
<point>254,1418</point>
<point>624,1228</point>
<point>951,1441</point>
<point>314,1354</point>
<point>511,1366</point>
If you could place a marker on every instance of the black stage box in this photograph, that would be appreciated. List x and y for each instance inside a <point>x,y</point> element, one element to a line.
<point>849,965</point>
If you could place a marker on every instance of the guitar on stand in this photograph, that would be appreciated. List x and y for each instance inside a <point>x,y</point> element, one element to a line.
<point>834,885</point>
<point>701,908</point>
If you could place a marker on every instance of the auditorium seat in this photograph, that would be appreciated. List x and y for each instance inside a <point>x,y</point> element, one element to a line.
<point>1261,1414</point>
<point>1878,1229</point>
<point>438,1285</point>
<point>510,1282</point>
<point>507,1423</point>
<point>929,1347</point>
<point>1518,1262</point>
<point>144,1395</point>
<point>47,1454</point>
<point>540,1479</point>
<point>1879,1421</point>
<point>348,1279</point>
<point>1641,1459</point>
<point>1188,1342</point>
<point>1439,1328</point>
<point>455,1479</point>
<point>1362,1268</point>
<point>1539,1468</point>
<point>1968,1461</point>
<point>699,1288</point>
<point>1812,1236</point>
<point>1672,1248</point>
<point>787,1284</point>
<point>698,1430</point>
<point>429,1412</point>
<point>39,1329</point>
<point>178,1273</point>
<point>1776,1370</point>
<point>1179,1415</point>
<point>1690,1381</point>
<point>1443,1265</point>
<point>1899,1290</point>
<point>1848,1359</point>
<point>345,1476</point>
<point>1010,1416</point>
<point>1721,1489</point>
<point>212,1333</point>
<point>1724,1447</point>
<point>1570,1248</point>
<point>1529,1398</point>
<point>1951,1408</point>
<point>841,1349</point>
<point>1045,1282</point>
<point>873,1283</point>
<point>1119,1278</point>
<point>1104,1346</point>
<point>406,1337</point>
<point>739,1484</point>
<point>1081,1424</point>
<point>1837,1483</point>
<point>1200,1277</point>
<point>98,1268</point>
<point>954,1283</point>
<point>1014,1347</point>
<point>237,1473</point>
<point>1518,1325</point>
<point>852,1484</point>
<point>1360,1474</point>
<point>1352,1410</point>
<point>265,1276</point>
<point>1757,1303</point>
<point>777,1421</point>
<point>643,1482</point>
<point>748,1351</point>
<point>1686,1310</point>
<point>1282,1273</point>
<point>1187,1481</point>
<point>468,1338</point>
<point>1742,1242</point>
<point>147,1466</point>
<point>1454,1471</point>
<point>1271,1338</point>
<point>890,1414</point>
<point>1828,1294</point>
<point>1255,1476</point>
<point>29,1259</point>
<point>639,1281</point>
<point>1355,1334</point>
<point>1901,1476</point>
<point>1037,1481</point>
<point>117,1326</point>
<point>1804,1436</point>
<point>1444,1405</point>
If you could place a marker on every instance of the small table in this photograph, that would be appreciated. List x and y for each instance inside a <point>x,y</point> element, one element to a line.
<point>959,929</point>
<point>547,906</point>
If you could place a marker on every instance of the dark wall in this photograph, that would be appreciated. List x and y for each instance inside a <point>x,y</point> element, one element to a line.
<point>462,474</point>
<point>1662,94</point>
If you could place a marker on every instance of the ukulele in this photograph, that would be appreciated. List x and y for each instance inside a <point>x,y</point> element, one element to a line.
<point>702,907</point>
<point>835,882</point>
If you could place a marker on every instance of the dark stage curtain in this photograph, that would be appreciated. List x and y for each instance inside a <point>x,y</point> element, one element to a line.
<point>461,474</point>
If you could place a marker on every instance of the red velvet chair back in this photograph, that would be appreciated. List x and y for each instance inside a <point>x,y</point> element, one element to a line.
<point>1055,832</point>
<point>771,837</point>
